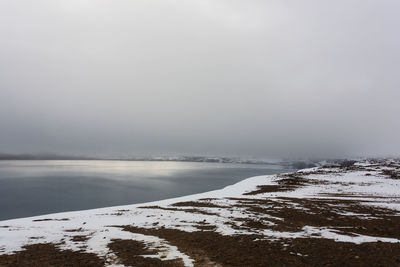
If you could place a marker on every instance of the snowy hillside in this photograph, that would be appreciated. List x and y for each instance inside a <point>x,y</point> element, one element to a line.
<point>319,216</point>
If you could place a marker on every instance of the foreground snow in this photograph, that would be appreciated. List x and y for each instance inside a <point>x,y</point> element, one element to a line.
<point>366,183</point>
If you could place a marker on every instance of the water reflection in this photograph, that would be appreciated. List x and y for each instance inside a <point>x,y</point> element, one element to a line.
<point>30,188</point>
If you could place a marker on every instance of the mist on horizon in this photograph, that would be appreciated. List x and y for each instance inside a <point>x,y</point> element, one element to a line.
<point>234,78</point>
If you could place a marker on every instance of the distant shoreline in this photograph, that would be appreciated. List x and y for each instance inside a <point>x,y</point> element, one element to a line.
<point>167,159</point>
<point>296,164</point>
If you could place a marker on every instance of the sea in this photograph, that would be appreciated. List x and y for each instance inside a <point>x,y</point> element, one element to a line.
<point>37,187</point>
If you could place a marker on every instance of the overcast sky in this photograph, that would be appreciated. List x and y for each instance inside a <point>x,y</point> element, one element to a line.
<point>253,78</point>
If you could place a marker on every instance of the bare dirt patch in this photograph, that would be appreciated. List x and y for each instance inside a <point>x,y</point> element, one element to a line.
<point>252,250</point>
<point>46,255</point>
<point>183,210</point>
<point>287,182</point>
<point>74,230</point>
<point>80,238</point>
<point>130,252</point>
<point>292,214</point>
<point>45,220</point>
<point>197,204</point>
<point>392,174</point>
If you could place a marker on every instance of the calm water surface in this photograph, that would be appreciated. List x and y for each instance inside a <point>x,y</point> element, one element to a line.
<point>29,188</point>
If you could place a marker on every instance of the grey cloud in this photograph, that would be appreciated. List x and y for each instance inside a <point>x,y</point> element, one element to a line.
<point>251,78</point>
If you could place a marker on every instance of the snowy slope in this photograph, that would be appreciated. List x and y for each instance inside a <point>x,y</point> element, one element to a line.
<point>371,184</point>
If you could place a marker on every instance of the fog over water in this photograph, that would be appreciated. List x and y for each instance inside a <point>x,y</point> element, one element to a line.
<point>167,77</point>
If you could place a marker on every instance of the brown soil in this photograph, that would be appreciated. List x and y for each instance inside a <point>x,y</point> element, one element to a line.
<point>197,204</point>
<point>45,220</point>
<point>74,230</point>
<point>393,174</point>
<point>129,252</point>
<point>176,209</point>
<point>249,251</point>
<point>43,255</point>
<point>372,221</point>
<point>288,182</point>
<point>80,238</point>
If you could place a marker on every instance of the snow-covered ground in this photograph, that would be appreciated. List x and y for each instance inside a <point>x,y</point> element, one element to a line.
<point>369,184</point>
